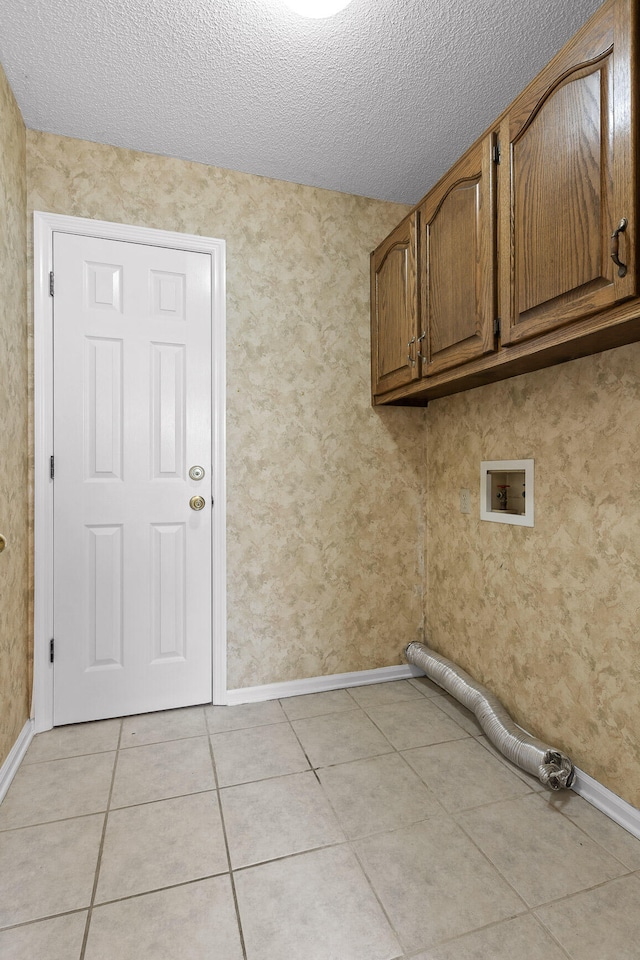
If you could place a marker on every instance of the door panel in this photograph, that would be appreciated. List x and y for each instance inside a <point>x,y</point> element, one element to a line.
<point>559,242</point>
<point>132,408</point>
<point>168,410</point>
<point>168,593</point>
<point>453,239</point>
<point>103,409</point>
<point>103,566</point>
<point>458,248</point>
<point>394,309</point>
<point>567,146</point>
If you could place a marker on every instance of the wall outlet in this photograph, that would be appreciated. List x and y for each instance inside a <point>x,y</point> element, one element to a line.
<point>465,501</point>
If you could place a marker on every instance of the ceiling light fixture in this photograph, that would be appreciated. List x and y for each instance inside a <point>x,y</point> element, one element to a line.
<point>318,9</point>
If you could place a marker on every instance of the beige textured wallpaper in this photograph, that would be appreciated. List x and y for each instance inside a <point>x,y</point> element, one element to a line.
<point>548,617</point>
<point>14,476</point>
<point>325,551</point>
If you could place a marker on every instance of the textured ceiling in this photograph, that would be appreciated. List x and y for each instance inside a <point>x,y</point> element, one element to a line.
<point>378,101</point>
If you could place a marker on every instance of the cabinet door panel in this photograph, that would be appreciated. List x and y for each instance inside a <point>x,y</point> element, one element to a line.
<point>458,250</point>
<point>394,308</point>
<point>566,179</point>
<point>563,250</point>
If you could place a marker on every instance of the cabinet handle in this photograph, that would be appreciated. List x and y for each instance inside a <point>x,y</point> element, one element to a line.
<point>615,246</point>
<point>409,357</point>
<point>421,355</point>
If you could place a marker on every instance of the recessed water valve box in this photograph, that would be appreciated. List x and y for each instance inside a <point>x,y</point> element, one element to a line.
<point>506,491</point>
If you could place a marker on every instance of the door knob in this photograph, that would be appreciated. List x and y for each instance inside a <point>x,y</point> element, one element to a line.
<point>196,473</point>
<point>197,503</point>
<point>3,543</point>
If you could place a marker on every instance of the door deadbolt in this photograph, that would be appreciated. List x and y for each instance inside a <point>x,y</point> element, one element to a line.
<point>197,503</point>
<point>196,473</point>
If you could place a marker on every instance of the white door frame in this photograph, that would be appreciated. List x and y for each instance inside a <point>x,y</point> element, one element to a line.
<point>44,226</point>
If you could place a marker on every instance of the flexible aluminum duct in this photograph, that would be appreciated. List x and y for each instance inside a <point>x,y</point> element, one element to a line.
<point>551,766</point>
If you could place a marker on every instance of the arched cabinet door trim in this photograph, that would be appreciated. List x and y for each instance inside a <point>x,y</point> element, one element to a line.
<point>568,148</point>
<point>458,230</point>
<point>395,309</point>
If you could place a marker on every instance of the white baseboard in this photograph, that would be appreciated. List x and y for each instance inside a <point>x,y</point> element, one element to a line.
<point>591,790</point>
<point>10,766</point>
<point>608,802</point>
<point>585,786</point>
<point>335,681</point>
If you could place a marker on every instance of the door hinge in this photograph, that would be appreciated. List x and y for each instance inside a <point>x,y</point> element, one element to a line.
<point>51,284</point>
<point>51,467</point>
<point>495,153</point>
<point>51,650</point>
<point>496,327</point>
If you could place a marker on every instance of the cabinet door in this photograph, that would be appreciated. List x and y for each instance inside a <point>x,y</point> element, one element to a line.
<point>458,256</point>
<point>394,309</point>
<point>567,179</point>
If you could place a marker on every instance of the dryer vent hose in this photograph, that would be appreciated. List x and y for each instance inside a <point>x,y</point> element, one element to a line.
<point>550,766</point>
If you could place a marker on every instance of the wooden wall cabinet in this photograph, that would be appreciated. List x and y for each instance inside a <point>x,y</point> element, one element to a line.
<point>457,262</point>
<point>395,308</point>
<point>532,233</point>
<point>568,179</point>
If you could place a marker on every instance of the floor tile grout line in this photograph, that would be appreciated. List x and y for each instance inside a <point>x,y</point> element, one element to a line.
<point>545,797</point>
<point>459,811</point>
<point>96,878</point>
<point>154,743</point>
<point>253,726</point>
<point>159,743</point>
<point>129,896</point>
<point>351,845</point>
<point>445,813</point>
<point>417,747</point>
<point>306,755</point>
<point>173,796</point>
<point>283,700</point>
<point>342,843</point>
<point>513,768</point>
<point>447,941</point>
<point>234,892</point>
<point>49,916</point>
<point>46,823</point>
<point>334,844</point>
<point>550,933</point>
<point>371,720</point>
<point>127,806</point>
<point>579,893</point>
<point>329,713</point>
<point>531,907</point>
<point>531,791</point>
<point>493,866</point>
<point>72,756</point>
<point>375,894</point>
<point>590,837</point>
<point>169,886</point>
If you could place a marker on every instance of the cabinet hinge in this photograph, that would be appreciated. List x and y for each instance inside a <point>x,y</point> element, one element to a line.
<point>51,467</point>
<point>495,153</point>
<point>51,284</point>
<point>496,327</point>
<point>51,650</point>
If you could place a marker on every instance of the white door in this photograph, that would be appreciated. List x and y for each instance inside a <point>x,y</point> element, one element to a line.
<point>132,416</point>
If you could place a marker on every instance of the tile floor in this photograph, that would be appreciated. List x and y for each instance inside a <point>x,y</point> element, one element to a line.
<point>368,824</point>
